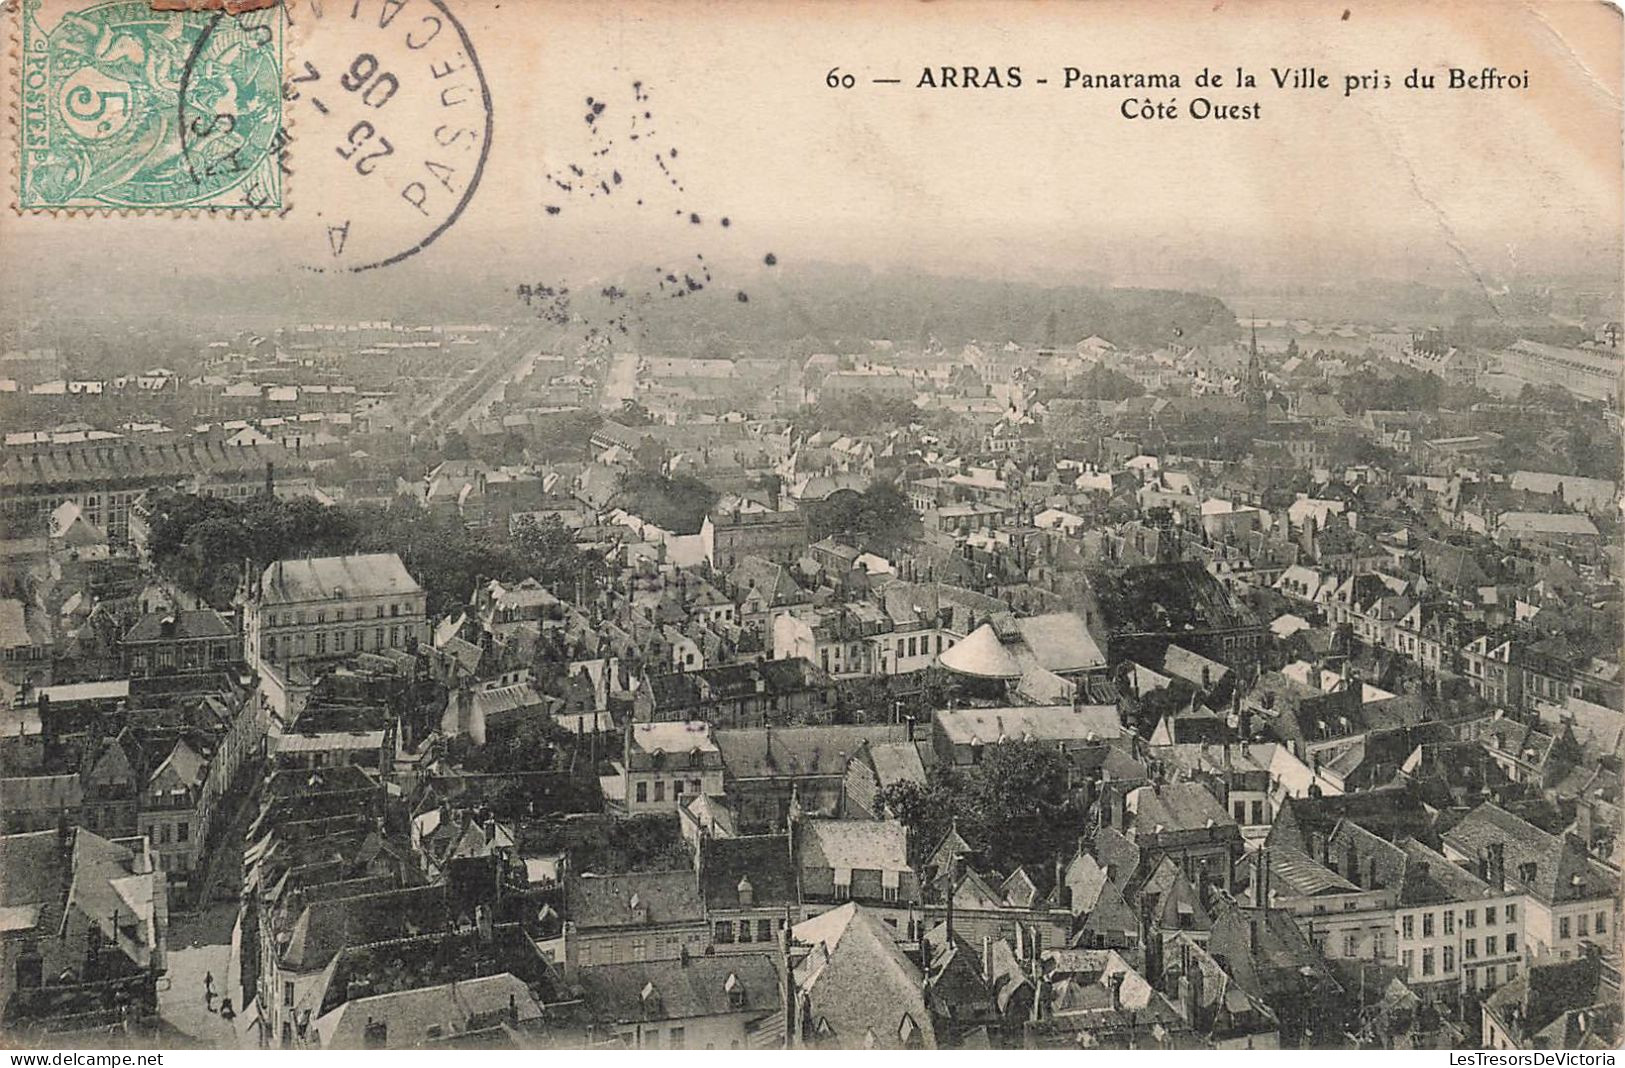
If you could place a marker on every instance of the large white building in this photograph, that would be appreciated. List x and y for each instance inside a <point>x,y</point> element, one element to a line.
<point>332,606</point>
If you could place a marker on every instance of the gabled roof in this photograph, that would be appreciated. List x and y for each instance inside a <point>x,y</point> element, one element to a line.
<point>858,983</point>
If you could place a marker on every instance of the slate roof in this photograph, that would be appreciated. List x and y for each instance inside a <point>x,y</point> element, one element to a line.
<point>1060,642</point>
<point>681,990</point>
<point>408,1014</point>
<point>1561,870</point>
<point>861,989</point>
<point>606,901</point>
<point>770,752</point>
<point>869,845</point>
<point>1158,598</point>
<point>317,579</point>
<point>188,625</point>
<point>763,859</point>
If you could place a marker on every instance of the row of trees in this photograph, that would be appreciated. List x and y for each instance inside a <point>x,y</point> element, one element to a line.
<point>203,544</point>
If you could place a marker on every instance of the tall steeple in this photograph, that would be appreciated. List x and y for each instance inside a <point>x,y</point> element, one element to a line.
<point>1253,381</point>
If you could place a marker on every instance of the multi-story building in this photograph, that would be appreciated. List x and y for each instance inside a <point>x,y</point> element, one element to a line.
<point>665,764</point>
<point>331,607</point>
<point>105,477</point>
<point>1568,900</point>
<point>163,643</point>
<point>730,535</point>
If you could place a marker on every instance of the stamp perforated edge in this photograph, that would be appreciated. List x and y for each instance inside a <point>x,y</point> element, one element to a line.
<point>11,79</point>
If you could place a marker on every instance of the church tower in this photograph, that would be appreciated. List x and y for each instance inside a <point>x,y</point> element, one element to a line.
<point>1253,380</point>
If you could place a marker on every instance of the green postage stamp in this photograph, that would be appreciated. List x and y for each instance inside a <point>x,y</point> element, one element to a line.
<point>125,108</point>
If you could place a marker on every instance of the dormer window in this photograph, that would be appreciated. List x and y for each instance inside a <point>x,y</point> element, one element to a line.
<point>736,991</point>
<point>747,893</point>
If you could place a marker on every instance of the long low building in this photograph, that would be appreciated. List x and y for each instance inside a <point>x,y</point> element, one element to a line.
<point>1589,373</point>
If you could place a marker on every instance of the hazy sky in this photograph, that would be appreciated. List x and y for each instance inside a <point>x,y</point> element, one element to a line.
<point>1042,182</point>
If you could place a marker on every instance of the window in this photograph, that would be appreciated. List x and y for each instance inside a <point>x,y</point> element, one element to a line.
<point>394,610</point>
<point>677,790</point>
<point>183,832</point>
<point>163,839</point>
<point>744,931</point>
<point>899,648</point>
<point>321,643</point>
<point>1241,812</point>
<point>1470,949</point>
<point>1449,959</point>
<point>1489,916</point>
<point>660,789</point>
<point>1489,946</point>
<point>1471,916</point>
<point>1512,972</point>
<point>678,1037</point>
<point>1258,812</point>
<point>764,930</point>
<point>640,949</point>
<point>585,954</point>
<point>643,791</point>
<point>1599,924</point>
<point>378,638</point>
<point>1489,977</point>
<point>1405,959</point>
<point>1512,943</point>
<point>287,994</point>
<point>723,932</point>
<point>888,893</point>
<point>1449,921</point>
<point>843,884</point>
<point>1563,927</point>
<point>321,617</point>
<point>1407,927</point>
<point>1585,924</point>
<point>394,637</point>
<point>1427,962</point>
<point>1427,925</point>
<point>1351,945</point>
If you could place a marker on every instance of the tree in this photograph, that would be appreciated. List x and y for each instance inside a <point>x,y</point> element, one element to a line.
<point>1015,807</point>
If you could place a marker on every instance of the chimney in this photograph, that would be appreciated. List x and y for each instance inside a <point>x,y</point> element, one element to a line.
<point>1116,983</point>
<point>1260,873</point>
<point>1497,865</point>
<point>987,959</point>
<point>1252,934</point>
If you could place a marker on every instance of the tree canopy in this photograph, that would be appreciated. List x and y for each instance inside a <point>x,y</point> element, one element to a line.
<point>1016,807</point>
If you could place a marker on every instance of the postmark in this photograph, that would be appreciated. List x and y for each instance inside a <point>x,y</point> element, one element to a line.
<point>121,107</point>
<point>394,120</point>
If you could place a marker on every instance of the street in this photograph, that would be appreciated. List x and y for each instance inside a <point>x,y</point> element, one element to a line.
<point>199,945</point>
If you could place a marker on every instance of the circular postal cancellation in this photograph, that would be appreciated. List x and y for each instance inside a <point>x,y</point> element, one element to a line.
<point>392,127</point>
<point>121,107</point>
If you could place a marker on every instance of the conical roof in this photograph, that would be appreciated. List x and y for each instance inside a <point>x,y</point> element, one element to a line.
<point>981,655</point>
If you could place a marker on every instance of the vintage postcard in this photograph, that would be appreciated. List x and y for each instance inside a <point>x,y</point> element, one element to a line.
<point>769,526</point>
